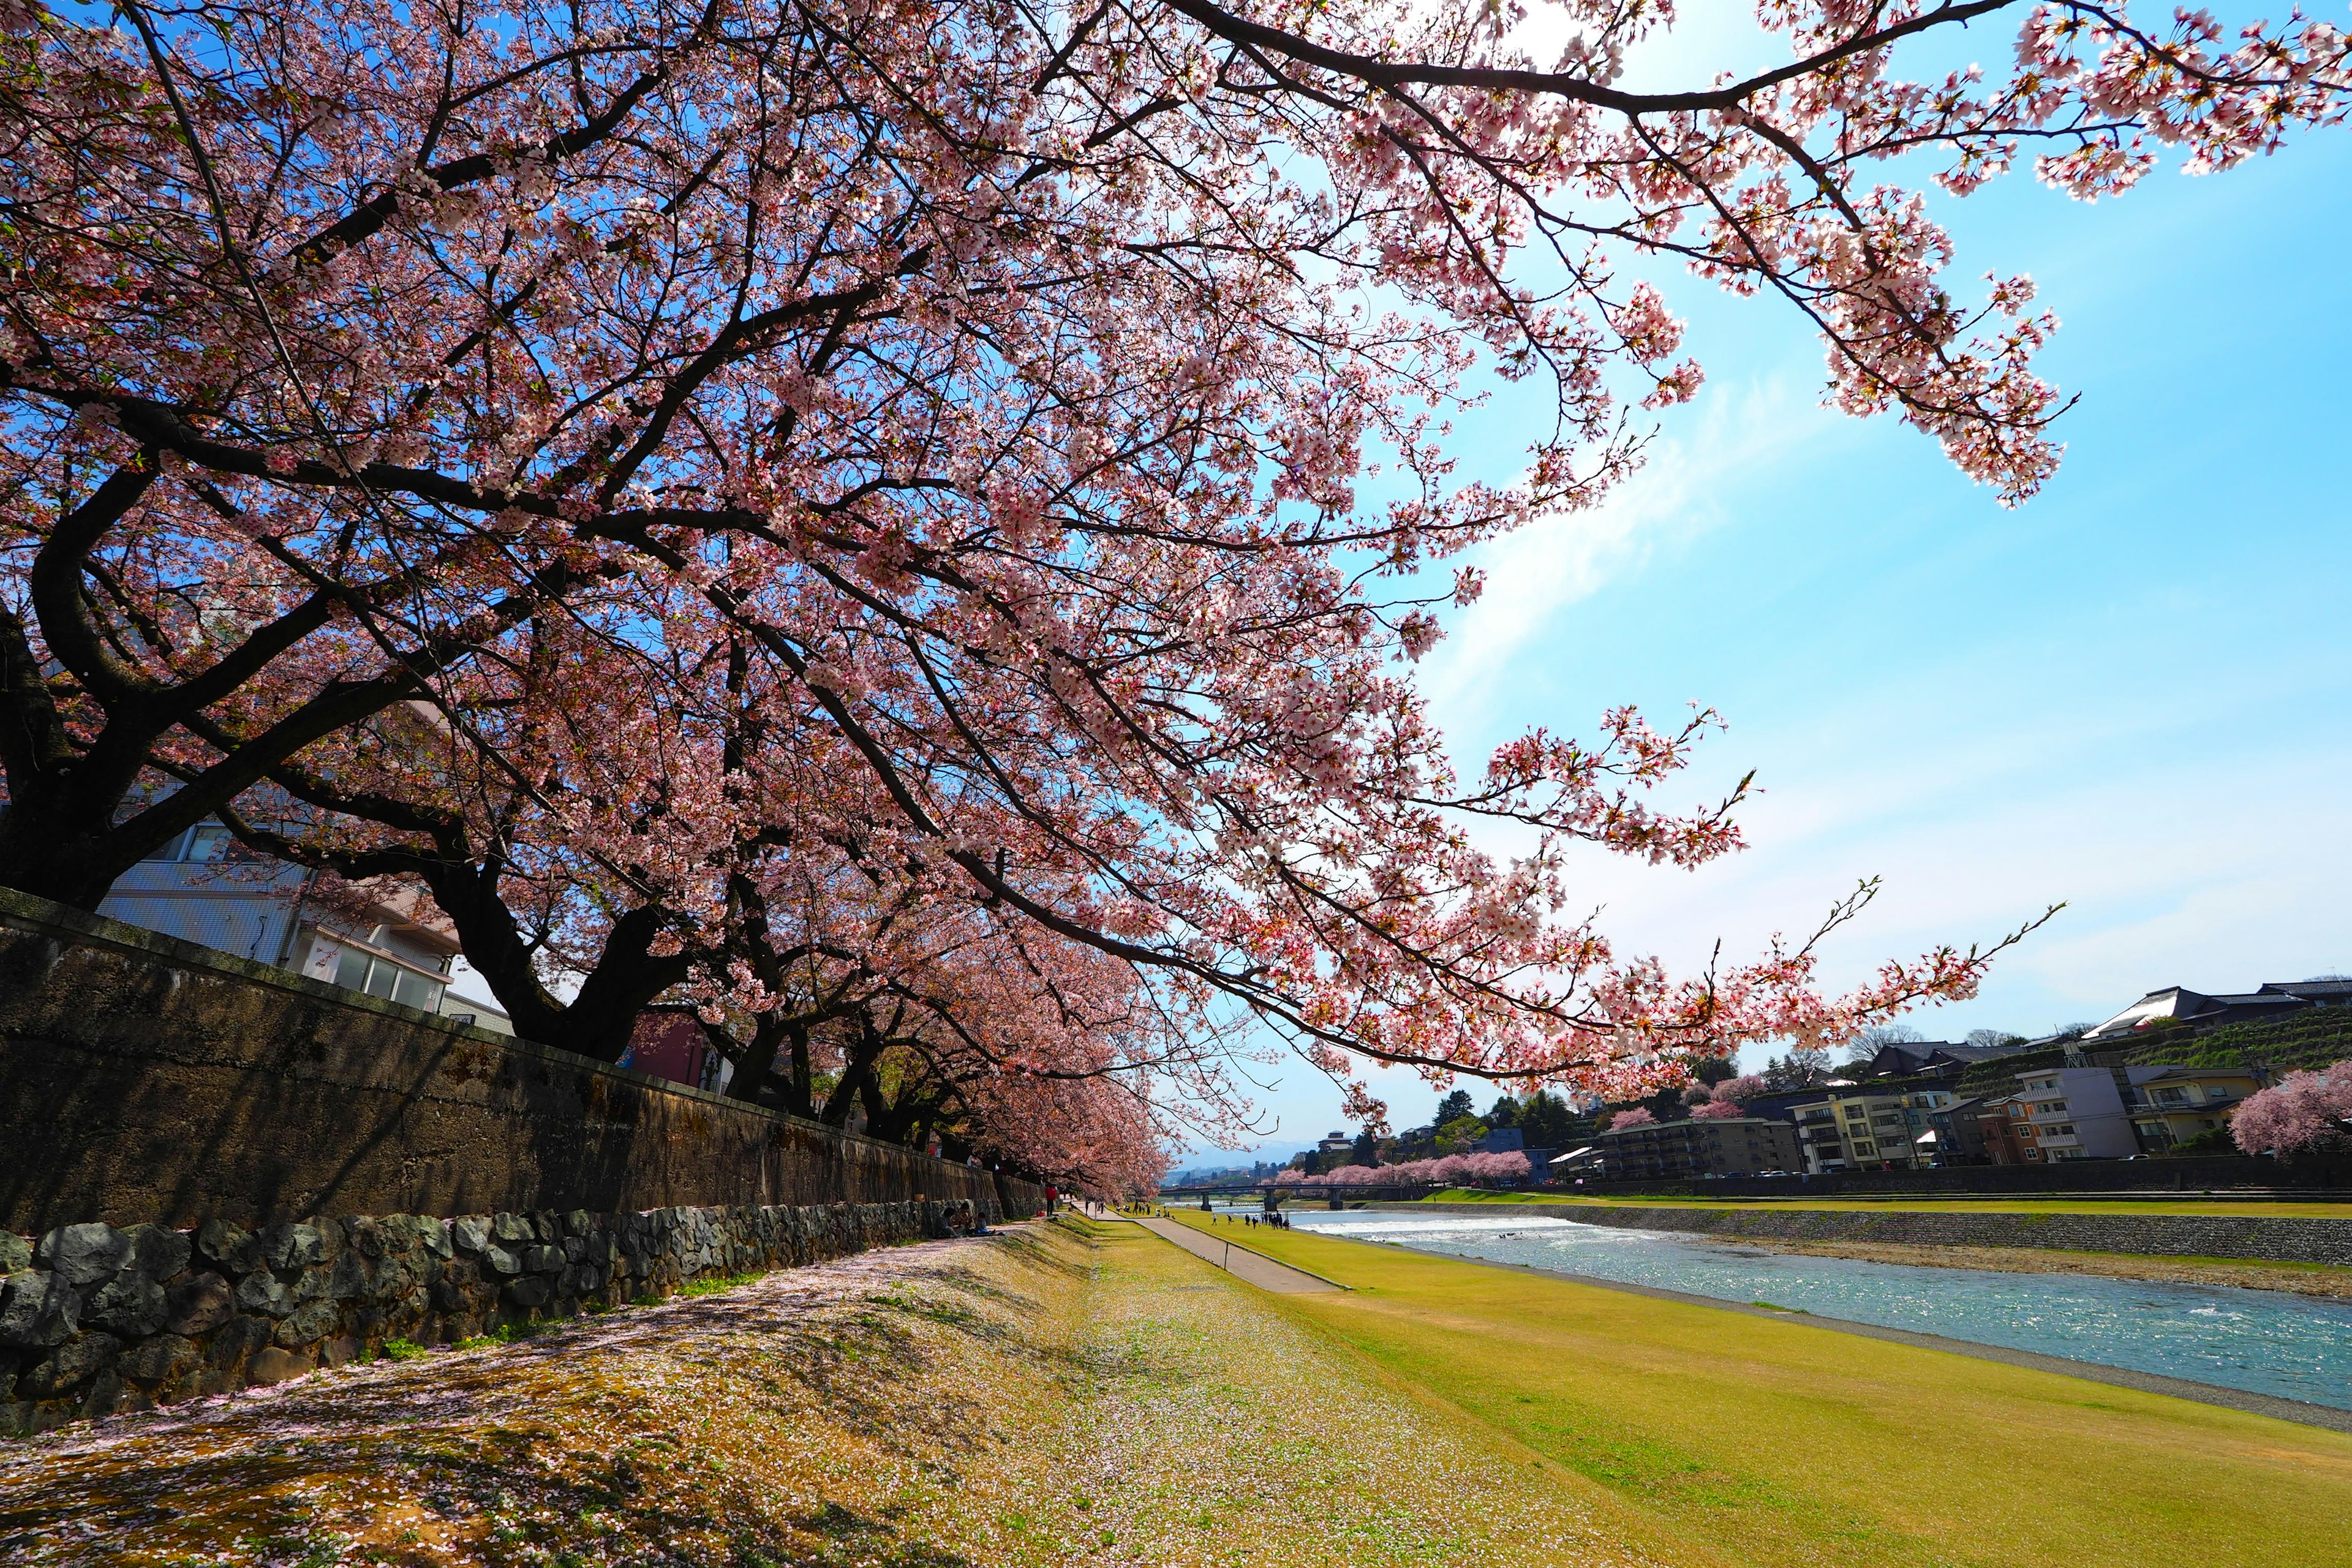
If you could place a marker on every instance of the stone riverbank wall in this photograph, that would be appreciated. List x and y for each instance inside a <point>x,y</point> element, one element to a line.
<point>96,1320</point>
<point>146,1081</point>
<point>2276,1239</point>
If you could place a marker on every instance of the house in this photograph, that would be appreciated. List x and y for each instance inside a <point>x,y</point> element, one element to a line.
<point>2170,1105</point>
<point>1334,1143</point>
<point>204,886</point>
<point>1667,1150</point>
<point>2275,1000</point>
<point>1934,1059</point>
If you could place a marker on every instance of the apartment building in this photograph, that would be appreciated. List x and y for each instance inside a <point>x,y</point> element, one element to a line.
<point>2170,1105</point>
<point>1666,1150</point>
<point>2070,1113</point>
<point>1863,1132</point>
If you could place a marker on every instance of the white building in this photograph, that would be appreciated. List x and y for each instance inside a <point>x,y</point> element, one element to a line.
<point>203,888</point>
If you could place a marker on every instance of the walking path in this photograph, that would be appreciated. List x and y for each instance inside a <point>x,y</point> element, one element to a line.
<point>1255,1268</point>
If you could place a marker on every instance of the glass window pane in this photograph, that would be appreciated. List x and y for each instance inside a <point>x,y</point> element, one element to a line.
<point>208,842</point>
<point>415,990</point>
<point>380,981</point>
<point>351,970</point>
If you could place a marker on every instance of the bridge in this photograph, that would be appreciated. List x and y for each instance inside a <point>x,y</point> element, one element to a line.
<point>1189,1197</point>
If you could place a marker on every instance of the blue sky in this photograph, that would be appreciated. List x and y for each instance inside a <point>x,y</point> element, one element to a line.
<point>2133,695</point>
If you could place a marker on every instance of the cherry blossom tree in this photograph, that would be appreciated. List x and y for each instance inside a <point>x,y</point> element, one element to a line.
<point>1636,1116</point>
<point>621,466</point>
<point>1717,1110</point>
<point>2302,1113</point>
<point>1739,1090</point>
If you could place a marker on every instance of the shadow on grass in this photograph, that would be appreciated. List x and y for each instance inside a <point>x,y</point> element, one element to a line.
<point>544,1448</point>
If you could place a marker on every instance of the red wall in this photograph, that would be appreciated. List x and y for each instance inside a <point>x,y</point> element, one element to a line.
<point>667,1047</point>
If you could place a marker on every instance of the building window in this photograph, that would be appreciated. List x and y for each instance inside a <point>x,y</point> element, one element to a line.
<point>358,971</point>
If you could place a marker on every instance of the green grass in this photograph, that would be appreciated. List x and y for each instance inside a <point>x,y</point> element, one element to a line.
<point>2320,1209</point>
<point>718,1283</point>
<point>1787,1446</point>
<point>507,1334</point>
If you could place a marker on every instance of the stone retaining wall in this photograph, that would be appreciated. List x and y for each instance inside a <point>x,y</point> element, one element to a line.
<point>94,1319</point>
<point>144,1078</point>
<point>2277,1238</point>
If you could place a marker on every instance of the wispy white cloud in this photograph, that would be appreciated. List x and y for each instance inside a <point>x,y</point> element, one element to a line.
<point>1679,493</point>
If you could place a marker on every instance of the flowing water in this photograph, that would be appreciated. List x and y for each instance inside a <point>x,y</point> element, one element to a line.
<point>2266,1342</point>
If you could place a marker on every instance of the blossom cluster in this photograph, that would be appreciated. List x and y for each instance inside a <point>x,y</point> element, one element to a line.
<point>2306,1112</point>
<point>900,532</point>
<point>1480,1169</point>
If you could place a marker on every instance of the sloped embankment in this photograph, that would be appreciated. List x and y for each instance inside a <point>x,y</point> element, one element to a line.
<point>1055,1396</point>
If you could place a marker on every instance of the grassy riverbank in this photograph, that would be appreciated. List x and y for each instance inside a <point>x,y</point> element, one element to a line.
<point>2291,1209</point>
<point>1780,1445</point>
<point>1066,1395</point>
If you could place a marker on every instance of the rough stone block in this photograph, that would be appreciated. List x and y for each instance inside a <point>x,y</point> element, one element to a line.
<point>201,1304</point>
<point>363,1234</point>
<point>276,1366</point>
<point>165,1359</point>
<point>530,1290</point>
<point>404,1234</point>
<point>308,1325</point>
<point>543,1260</point>
<point>340,1351</point>
<point>83,1254</point>
<point>470,1234</point>
<point>499,1260</point>
<point>286,1246</point>
<point>359,1277</point>
<point>313,1284</point>
<point>110,1395</point>
<point>37,1308</point>
<point>79,1357</point>
<point>159,1252</point>
<point>129,1305</point>
<point>15,1253</point>
<point>238,1251</point>
<point>263,1293</point>
<point>330,1233</point>
<point>236,1341</point>
<point>575,1248</point>
<point>512,1227</point>
<point>580,1222</point>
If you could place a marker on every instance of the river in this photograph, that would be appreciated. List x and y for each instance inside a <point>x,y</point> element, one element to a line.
<point>2266,1342</point>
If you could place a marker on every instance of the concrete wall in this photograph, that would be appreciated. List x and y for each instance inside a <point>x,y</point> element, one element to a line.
<point>2281,1238</point>
<point>2170,1175</point>
<point>95,1319</point>
<point>146,1081</point>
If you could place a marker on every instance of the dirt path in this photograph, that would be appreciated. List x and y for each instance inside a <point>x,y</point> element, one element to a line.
<point>1046,1397</point>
